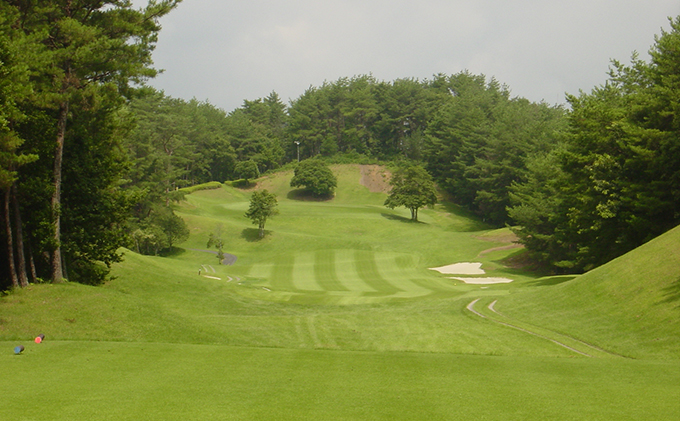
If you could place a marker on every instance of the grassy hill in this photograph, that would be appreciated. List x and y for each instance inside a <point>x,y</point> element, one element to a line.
<point>350,249</point>
<point>335,315</point>
<point>630,305</point>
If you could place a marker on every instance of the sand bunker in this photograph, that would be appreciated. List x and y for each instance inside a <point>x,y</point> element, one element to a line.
<point>461,269</point>
<point>470,268</point>
<point>482,281</point>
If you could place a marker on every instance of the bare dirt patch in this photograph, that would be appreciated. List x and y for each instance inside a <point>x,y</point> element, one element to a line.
<point>375,178</point>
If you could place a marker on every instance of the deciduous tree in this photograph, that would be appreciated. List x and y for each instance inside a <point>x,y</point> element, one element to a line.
<point>247,170</point>
<point>262,207</point>
<point>413,188</point>
<point>315,176</point>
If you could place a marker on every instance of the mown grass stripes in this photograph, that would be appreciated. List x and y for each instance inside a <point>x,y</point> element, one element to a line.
<point>282,273</point>
<point>325,273</point>
<point>389,268</point>
<point>347,272</point>
<point>303,272</point>
<point>368,272</point>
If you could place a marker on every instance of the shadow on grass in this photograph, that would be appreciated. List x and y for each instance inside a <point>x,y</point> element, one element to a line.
<point>672,293</point>
<point>307,196</point>
<point>399,218</point>
<point>253,234</point>
<point>243,184</point>
<point>474,223</point>
<point>551,280</point>
<point>172,252</point>
<point>520,260</point>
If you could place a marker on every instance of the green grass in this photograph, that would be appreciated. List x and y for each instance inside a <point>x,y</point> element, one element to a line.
<point>344,248</point>
<point>334,315</point>
<point>130,381</point>
<point>630,305</point>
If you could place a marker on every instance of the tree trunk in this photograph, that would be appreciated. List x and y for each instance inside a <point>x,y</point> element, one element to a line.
<point>21,258</point>
<point>31,264</point>
<point>57,268</point>
<point>10,242</point>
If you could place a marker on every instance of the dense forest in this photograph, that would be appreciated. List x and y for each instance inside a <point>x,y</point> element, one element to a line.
<point>92,160</point>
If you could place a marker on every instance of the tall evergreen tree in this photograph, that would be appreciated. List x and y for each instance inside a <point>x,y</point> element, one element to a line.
<point>90,52</point>
<point>620,167</point>
<point>17,52</point>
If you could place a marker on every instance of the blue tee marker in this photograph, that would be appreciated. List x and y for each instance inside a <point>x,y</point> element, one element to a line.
<point>19,349</point>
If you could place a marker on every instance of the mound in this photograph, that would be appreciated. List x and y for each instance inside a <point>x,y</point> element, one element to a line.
<point>630,305</point>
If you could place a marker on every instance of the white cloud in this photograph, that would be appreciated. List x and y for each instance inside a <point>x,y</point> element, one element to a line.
<point>228,51</point>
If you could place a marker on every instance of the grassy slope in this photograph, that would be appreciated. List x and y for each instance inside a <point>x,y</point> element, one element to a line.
<point>348,294</point>
<point>630,305</point>
<point>292,289</point>
<point>347,250</point>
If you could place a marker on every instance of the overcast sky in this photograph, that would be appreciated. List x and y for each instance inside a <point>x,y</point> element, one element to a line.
<point>225,51</point>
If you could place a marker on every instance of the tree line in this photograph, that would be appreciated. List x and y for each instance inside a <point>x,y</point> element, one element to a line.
<point>67,69</point>
<point>92,160</point>
<point>613,181</point>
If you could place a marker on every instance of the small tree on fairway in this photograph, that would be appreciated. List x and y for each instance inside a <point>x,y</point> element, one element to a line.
<point>315,176</point>
<point>216,241</point>
<point>262,206</point>
<point>412,188</point>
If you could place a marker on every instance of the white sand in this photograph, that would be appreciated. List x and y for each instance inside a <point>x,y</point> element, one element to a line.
<point>461,269</point>
<point>484,280</point>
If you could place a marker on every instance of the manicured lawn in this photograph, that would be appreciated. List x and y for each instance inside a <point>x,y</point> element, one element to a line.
<point>348,247</point>
<point>335,315</point>
<point>131,381</point>
<point>630,305</point>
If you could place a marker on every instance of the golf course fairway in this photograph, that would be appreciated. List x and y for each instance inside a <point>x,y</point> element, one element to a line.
<point>335,315</point>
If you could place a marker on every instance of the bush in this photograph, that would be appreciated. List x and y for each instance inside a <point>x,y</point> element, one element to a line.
<point>87,272</point>
<point>205,186</point>
<point>315,176</point>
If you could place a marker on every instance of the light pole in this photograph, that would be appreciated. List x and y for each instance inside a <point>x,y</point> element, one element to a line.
<point>298,149</point>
